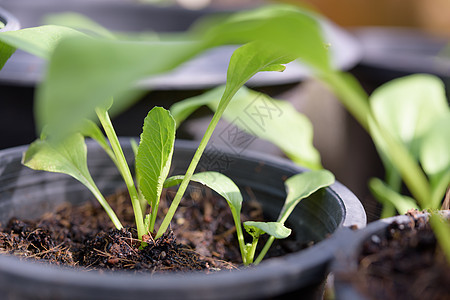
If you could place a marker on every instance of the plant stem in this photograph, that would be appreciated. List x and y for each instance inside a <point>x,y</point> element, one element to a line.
<point>355,100</point>
<point>264,250</point>
<point>394,181</point>
<point>194,162</point>
<point>109,211</point>
<point>237,221</point>
<point>250,251</point>
<point>123,168</point>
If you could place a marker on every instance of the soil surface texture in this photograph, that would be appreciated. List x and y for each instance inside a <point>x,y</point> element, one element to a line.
<point>405,263</point>
<point>202,237</point>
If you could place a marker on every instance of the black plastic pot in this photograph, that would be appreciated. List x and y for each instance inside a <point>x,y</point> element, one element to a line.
<point>9,20</point>
<point>26,193</point>
<point>346,257</point>
<point>390,52</point>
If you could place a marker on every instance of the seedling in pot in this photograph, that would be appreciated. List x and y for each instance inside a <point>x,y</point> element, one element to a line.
<point>409,122</point>
<point>110,67</point>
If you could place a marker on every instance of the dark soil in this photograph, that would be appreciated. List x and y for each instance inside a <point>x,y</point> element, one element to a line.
<point>405,263</point>
<point>202,237</point>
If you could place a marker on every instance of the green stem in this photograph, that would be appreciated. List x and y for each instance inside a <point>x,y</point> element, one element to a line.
<point>123,168</point>
<point>109,211</point>
<point>240,235</point>
<point>264,250</point>
<point>355,100</point>
<point>394,181</point>
<point>142,200</point>
<point>153,214</point>
<point>194,162</point>
<point>251,251</point>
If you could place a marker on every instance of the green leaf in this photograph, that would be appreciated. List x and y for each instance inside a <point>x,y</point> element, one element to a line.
<point>5,53</point>
<point>248,60</point>
<point>435,151</point>
<point>294,31</point>
<point>435,158</point>
<point>216,181</point>
<point>259,115</point>
<point>101,69</point>
<point>154,155</point>
<point>385,194</point>
<point>39,41</point>
<point>301,186</point>
<point>67,157</point>
<point>275,229</point>
<point>226,188</point>
<point>408,106</point>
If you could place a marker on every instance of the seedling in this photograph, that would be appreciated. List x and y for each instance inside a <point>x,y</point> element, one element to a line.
<point>104,67</point>
<point>409,122</point>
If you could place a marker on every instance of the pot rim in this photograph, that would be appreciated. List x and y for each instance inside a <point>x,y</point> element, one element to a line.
<point>279,267</point>
<point>351,244</point>
<point>10,21</point>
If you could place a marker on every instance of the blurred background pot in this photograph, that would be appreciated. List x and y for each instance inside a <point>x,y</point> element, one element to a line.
<point>393,52</point>
<point>361,245</point>
<point>25,194</point>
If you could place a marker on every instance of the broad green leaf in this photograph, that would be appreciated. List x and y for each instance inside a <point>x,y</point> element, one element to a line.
<point>386,195</point>
<point>101,69</point>
<point>273,120</point>
<point>216,181</point>
<point>39,41</point>
<point>154,155</point>
<point>302,185</point>
<point>275,229</point>
<point>435,151</point>
<point>408,106</point>
<point>435,158</point>
<point>292,30</point>
<point>67,157</point>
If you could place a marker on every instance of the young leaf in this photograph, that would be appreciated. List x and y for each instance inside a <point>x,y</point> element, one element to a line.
<point>301,186</point>
<point>385,194</point>
<point>255,229</point>
<point>298,187</point>
<point>154,156</point>
<point>67,157</point>
<point>248,60</point>
<point>216,181</point>
<point>275,229</point>
<point>273,120</point>
<point>226,188</point>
